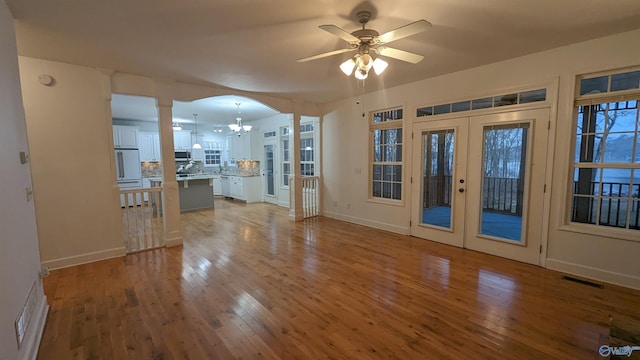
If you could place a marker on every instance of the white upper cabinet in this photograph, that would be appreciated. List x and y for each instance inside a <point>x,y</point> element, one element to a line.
<point>182,140</point>
<point>125,137</point>
<point>239,147</point>
<point>149,142</point>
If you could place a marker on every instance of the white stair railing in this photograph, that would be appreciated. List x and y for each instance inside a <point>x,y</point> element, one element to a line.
<point>310,196</point>
<point>142,218</point>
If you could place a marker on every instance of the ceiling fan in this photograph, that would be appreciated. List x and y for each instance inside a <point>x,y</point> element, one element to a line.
<point>366,41</point>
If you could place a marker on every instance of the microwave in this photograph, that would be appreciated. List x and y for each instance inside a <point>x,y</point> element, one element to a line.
<point>183,155</point>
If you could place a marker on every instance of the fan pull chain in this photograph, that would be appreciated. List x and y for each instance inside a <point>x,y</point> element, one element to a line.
<point>362,97</point>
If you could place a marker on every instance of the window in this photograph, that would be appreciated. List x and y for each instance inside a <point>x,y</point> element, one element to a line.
<point>307,152</point>
<point>306,156</point>
<point>476,104</point>
<point>286,161</point>
<point>606,167</point>
<point>212,157</point>
<point>386,150</point>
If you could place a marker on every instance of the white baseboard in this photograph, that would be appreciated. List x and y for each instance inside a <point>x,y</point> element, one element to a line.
<point>31,343</point>
<point>374,224</point>
<point>173,242</point>
<point>594,273</point>
<point>84,258</point>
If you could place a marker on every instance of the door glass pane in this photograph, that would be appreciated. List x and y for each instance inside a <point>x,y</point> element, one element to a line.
<point>268,168</point>
<point>503,174</point>
<point>437,171</point>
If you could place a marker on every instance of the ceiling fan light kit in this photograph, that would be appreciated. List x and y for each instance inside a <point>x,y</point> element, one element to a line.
<point>366,41</point>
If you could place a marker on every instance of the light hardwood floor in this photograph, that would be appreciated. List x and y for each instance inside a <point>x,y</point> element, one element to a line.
<point>250,284</point>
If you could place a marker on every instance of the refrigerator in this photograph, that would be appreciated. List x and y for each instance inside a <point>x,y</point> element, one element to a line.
<point>128,172</point>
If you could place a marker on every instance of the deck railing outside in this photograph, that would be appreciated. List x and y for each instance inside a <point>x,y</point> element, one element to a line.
<point>501,195</point>
<point>613,204</point>
<point>142,218</point>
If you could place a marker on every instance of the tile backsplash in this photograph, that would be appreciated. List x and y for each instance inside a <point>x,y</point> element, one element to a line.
<point>248,167</point>
<point>151,168</point>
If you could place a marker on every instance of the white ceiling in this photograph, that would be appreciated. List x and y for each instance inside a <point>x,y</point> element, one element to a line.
<point>252,45</point>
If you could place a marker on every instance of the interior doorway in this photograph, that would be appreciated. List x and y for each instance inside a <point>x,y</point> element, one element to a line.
<point>480,182</point>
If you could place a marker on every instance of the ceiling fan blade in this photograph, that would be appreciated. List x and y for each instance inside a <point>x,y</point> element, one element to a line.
<point>320,56</point>
<point>340,33</point>
<point>404,31</point>
<point>399,54</point>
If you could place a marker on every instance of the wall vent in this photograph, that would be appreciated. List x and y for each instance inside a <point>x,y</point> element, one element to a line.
<point>25,315</point>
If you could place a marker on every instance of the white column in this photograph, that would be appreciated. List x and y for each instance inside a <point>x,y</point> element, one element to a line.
<point>295,183</point>
<point>107,124</point>
<point>170,200</point>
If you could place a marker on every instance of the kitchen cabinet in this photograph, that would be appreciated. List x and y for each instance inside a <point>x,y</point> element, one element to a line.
<point>236,187</point>
<point>239,147</point>
<point>125,137</point>
<point>149,145</point>
<point>246,188</point>
<point>182,140</point>
<point>217,184</point>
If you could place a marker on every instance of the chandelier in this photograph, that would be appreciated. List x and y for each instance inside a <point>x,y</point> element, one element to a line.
<point>238,127</point>
<point>176,125</point>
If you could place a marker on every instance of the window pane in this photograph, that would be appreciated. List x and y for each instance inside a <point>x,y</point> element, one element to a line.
<point>397,173</point>
<point>386,190</point>
<point>442,109</point>
<point>387,173</point>
<point>482,103</point>
<point>615,182</point>
<point>425,111</point>
<point>503,100</point>
<point>618,148</point>
<point>377,172</point>
<point>461,106</point>
<point>586,181</point>
<point>594,85</point>
<point>630,80</point>
<point>399,153</point>
<point>397,188</point>
<point>377,189</point>
<point>533,96</point>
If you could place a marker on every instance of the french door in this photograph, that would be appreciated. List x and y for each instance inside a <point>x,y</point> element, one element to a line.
<point>479,182</point>
<point>270,186</point>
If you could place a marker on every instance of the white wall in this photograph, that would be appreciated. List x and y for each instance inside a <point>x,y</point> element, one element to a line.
<point>76,194</point>
<point>345,148</point>
<point>19,256</point>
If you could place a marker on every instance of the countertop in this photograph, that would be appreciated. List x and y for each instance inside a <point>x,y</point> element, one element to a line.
<point>183,178</point>
<point>196,177</point>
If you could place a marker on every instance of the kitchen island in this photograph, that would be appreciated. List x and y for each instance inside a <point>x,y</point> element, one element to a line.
<point>195,191</point>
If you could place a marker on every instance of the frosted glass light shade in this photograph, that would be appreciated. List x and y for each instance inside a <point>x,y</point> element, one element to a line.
<point>379,66</point>
<point>234,127</point>
<point>348,66</point>
<point>246,127</point>
<point>196,146</point>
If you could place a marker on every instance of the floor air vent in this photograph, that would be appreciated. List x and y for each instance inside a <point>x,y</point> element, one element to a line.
<point>583,282</point>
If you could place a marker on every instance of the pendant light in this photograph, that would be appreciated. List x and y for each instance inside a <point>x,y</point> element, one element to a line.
<point>176,125</point>
<point>195,123</point>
